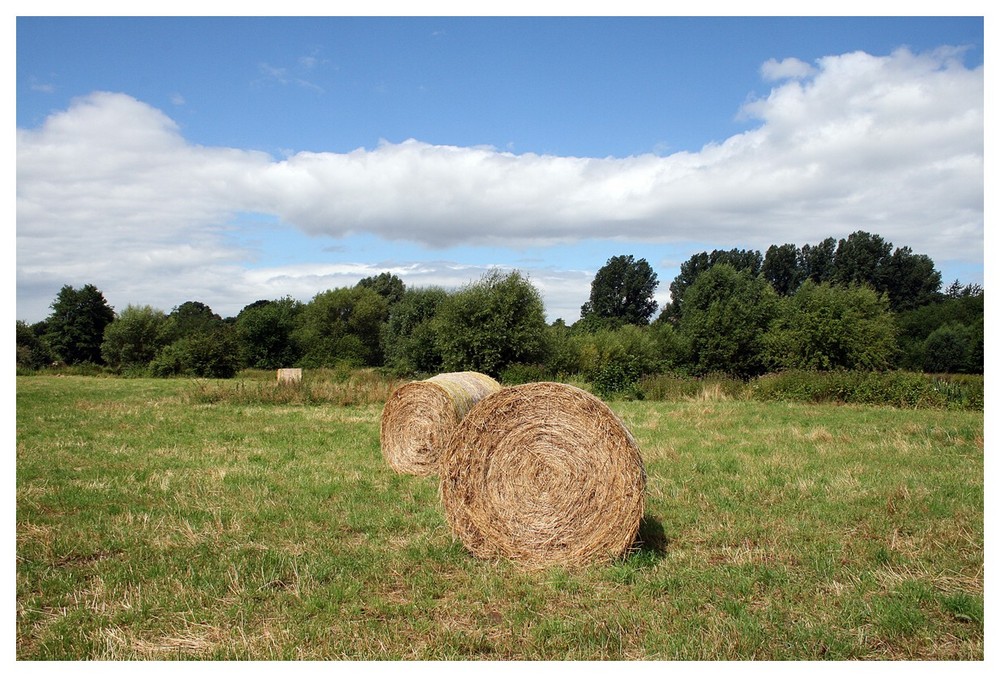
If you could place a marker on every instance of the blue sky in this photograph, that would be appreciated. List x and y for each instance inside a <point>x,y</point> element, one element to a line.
<point>231,159</point>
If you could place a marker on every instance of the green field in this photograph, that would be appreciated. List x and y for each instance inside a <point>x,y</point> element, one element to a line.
<point>164,519</point>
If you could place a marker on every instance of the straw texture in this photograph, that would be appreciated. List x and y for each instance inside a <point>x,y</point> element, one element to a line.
<point>543,474</point>
<point>419,418</point>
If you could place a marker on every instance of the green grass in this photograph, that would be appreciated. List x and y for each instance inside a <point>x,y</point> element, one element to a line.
<point>164,519</point>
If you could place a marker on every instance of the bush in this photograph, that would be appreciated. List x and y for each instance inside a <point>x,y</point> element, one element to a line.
<point>516,374</point>
<point>896,389</point>
<point>674,386</point>
<point>491,324</point>
<point>618,378</point>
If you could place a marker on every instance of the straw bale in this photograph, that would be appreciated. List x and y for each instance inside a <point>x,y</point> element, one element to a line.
<point>544,474</point>
<point>289,376</point>
<point>419,418</point>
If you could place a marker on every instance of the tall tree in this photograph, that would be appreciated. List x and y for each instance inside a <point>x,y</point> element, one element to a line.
<point>740,259</point>
<point>190,318</point>
<point>910,280</point>
<point>862,259</point>
<point>75,329</point>
<point>726,316</point>
<point>781,268</point>
<point>386,285</point>
<point>622,292</point>
<point>409,338</point>
<point>817,261</point>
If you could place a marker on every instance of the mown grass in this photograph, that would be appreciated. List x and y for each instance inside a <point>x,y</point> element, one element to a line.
<point>157,522</point>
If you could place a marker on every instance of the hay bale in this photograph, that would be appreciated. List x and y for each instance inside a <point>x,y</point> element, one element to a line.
<point>543,474</point>
<point>289,376</point>
<point>419,418</point>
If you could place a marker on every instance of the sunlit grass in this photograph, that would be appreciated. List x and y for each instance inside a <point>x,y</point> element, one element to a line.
<point>153,523</point>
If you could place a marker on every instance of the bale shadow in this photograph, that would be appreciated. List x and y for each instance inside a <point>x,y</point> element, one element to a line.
<point>651,542</point>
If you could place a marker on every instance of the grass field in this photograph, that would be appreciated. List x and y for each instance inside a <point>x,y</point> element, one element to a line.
<point>163,519</point>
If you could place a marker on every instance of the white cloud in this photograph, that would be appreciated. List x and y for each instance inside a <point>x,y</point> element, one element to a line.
<point>787,69</point>
<point>110,192</point>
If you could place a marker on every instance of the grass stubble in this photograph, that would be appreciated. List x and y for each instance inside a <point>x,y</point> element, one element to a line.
<point>155,522</point>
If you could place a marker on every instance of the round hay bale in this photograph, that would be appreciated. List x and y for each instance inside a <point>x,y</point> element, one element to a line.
<point>419,418</point>
<point>543,474</point>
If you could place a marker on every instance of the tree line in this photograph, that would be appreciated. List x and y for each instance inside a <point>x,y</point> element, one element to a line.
<point>856,303</point>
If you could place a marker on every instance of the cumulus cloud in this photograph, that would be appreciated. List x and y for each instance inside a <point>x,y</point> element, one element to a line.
<point>791,68</point>
<point>110,190</point>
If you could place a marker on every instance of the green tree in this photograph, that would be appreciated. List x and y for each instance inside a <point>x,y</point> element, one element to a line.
<point>32,351</point>
<point>264,331</point>
<point>387,285</point>
<point>824,327</point>
<point>862,259</point>
<point>615,359</point>
<point>726,315</point>
<point>491,324</point>
<point>817,261</point>
<point>134,338</point>
<point>75,329</point>
<point>409,337</point>
<point>343,325</point>
<point>740,259</point>
<point>959,306</point>
<point>910,280</point>
<point>782,269</point>
<point>622,293</point>
<point>949,349</point>
<point>188,319</point>
<point>212,353</point>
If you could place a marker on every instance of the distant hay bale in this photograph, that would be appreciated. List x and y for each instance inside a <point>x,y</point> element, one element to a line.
<point>289,376</point>
<point>419,418</point>
<point>543,474</point>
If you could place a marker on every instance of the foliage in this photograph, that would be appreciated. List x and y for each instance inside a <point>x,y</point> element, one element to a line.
<point>188,319</point>
<point>490,324</point>
<point>265,332</point>
<point>962,309</point>
<point>781,268</point>
<point>817,261</point>
<point>209,354</point>
<point>824,326</point>
<point>562,350</point>
<point>910,280</point>
<point>75,329</point>
<point>341,325</point>
<point>32,351</point>
<point>614,359</point>
<point>516,374</point>
<point>954,349</point>
<point>622,292</point>
<point>386,285</point>
<point>409,336</point>
<point>740,259</point>
<point>894,388</point>
<point>134,338</point>
<point>726,315</point>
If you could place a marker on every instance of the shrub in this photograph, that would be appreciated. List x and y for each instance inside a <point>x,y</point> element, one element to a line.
<point>896,388</point>
<point>675,386</point>
<point>618,377</point>
<point>517,374</point>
